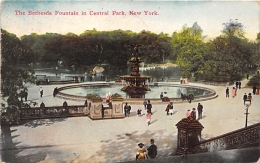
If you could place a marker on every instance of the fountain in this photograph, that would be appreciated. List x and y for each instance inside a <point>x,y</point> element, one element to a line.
<point>135,82</point>
<point>136,86</point>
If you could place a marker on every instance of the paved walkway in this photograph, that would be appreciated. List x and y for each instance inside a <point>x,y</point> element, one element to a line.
<point>80,139</point>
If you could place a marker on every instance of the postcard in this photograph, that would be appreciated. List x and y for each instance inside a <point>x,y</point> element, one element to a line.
<point>123,81</point>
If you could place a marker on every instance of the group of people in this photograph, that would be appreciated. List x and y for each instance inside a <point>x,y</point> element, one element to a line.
<point>247,98</point>
<point>164,97</point>
<point>233,92</point>
<point>24,94</point>
<point>147,106</point>
<point>142,153</point>
<point>238,84</point>
<point>192,114</point>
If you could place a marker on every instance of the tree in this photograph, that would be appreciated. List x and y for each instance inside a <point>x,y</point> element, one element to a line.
<point>233,28</point>
<point>13,77</point>
<point>188,46</point>
<point>228,58</point>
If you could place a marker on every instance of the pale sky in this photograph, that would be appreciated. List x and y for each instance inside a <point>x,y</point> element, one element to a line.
<point>172,15</point>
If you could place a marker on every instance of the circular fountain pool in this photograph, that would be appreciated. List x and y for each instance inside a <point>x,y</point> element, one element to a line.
<point>102,89</point>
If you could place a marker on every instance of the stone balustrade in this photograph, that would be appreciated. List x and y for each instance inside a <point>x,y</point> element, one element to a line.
<point>242,138</point>
<point>54,111</point>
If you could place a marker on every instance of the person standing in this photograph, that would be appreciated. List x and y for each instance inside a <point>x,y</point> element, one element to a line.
<point>152,150</point>
<point>168,108</point>
<point>128,110</point>
<point>254,90</point>
<point>239,84</point>
<point>55,91</point>
<point>199,109</point>
<point>86,103</point>
<point>233,92</point>
<point>139,112</point>
<point>148,118</point>
<point>41,91</point>
<point>245,98</point>
<point>149,107</point>
<point>161,95</point>
<point>236,84</point>
<point>193,114</point>
<point>141,152</point>
<point>227,92</point>
<point>107,97</point>
<point>171,108</point>
<point>249,97</point>
<point>145,103</point>
<point>125,109</point>
<point>25,95</point>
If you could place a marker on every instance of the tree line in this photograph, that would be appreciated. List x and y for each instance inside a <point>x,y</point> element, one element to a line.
<point>226,58</point>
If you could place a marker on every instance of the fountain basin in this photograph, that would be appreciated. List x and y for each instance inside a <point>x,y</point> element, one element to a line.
<point>173,91</point>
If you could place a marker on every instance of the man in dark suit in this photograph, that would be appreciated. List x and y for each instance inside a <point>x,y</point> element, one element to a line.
<point>244,98</point>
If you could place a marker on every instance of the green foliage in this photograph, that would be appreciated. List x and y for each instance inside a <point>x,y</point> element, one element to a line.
<point>97,47</point>
<point>227,59</point>
<point>233,28</point>
<point>94,97</point>
<point>116,97</point>
<point>188,46</point>
<point>11,116</point>
<point>13,53</point>
<point>254,80</point>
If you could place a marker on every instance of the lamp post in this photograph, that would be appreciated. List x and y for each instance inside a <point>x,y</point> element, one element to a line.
<point>247,103</point>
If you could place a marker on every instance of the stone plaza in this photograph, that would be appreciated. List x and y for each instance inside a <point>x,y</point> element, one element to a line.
<point>80,139</point>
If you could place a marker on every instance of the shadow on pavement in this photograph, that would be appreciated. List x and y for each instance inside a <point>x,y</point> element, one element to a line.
<point>123,146</point>
<point>152,122</point>
<point>40,122</point>
<point>10,151</point>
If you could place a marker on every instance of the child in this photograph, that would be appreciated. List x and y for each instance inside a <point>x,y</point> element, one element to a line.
<point>139,112</point>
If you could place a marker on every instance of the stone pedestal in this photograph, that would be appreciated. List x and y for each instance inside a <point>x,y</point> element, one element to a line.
<point>107,113</point>
<point>95,110</point>
<point>189,134</point>
<point>117,110</point>
<point>106,110</point>
<point>117,106</point>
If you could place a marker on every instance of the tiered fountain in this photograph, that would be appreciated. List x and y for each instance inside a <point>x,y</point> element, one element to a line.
<point>135,82</point>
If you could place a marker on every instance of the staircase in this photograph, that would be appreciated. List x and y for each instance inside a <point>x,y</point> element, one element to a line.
<point>239,146</point>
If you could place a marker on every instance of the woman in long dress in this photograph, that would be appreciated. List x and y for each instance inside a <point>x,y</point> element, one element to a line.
<point>233,92</point>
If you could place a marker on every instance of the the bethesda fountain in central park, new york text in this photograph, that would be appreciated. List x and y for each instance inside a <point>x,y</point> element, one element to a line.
<point>135,82</point>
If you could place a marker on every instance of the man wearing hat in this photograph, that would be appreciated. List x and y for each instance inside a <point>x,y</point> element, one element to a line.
<point>199,108</point>
<point>141,152</point>
<point>152,150</point>
<point>193,114</point>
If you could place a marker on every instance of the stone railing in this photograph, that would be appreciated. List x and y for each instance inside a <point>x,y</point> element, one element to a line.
<point>242,138</point>
<point>55,111</point>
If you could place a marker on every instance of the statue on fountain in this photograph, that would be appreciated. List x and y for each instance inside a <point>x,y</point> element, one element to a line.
<point>135,53</point>
<point>135,82</point>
